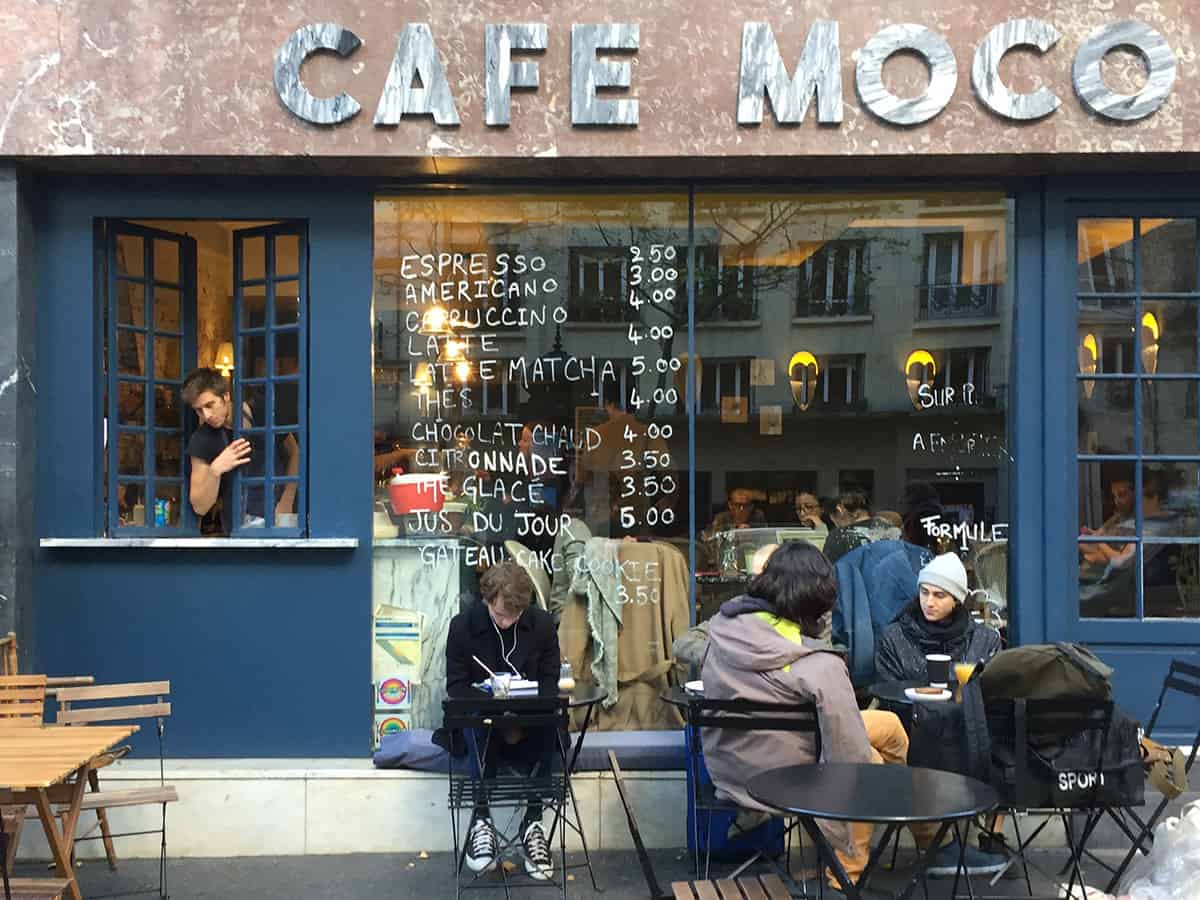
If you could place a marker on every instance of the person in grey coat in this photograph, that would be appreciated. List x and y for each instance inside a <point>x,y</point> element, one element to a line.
<point>935,622</point>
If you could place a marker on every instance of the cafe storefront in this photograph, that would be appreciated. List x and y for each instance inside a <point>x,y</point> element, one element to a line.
<point>508,279</point>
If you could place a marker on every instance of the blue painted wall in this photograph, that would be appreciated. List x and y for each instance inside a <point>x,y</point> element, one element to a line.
<point>268,652</point>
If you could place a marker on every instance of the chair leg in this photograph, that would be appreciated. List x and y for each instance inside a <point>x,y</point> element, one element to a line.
<point>110,852</point>
<point>162,858</point>
<point>14,839</point>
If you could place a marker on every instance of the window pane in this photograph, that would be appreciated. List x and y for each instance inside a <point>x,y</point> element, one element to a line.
<point>1105,255</point>
<point>168,458</point>
<point>131,303</point>
<point>1107,499</point>
<point>1171,581</point>
<point>287,403</point>
<point>287,255</point>
<point>253,258</point>
<point>167,508</point>
<point>168,407</point>
<point>1168,255</point>
<point>131,352</point>
<point>131,403</point>
<point>1168,337</point>
<point>1169,423</point>
<point>1106,417</point>
<point>254,396</point>
<point>166,262</point>
<point>287,303</point>
<point>166,309</point>
<point>254,356</point>
<point>287,353</point>
<point>1107,580</point>
<point>131,454</point>
<point>254,306</point>
<point>167,361</point>
<point>131,255</point>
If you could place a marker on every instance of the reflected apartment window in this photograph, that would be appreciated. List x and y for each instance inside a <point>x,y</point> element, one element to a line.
<point>841,383</point>
<point>834,281</point>
<point>598,279</point>
<point>730,378</point>
<point>726,288</point>
<point>956,276</point>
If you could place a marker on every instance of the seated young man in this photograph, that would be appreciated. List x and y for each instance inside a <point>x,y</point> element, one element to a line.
<point>507,635</point>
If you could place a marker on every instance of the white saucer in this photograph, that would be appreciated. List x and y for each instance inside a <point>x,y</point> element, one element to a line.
<point>694,687</point>
<point>911,694</point>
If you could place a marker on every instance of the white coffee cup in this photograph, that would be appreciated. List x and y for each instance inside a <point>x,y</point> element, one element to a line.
<point>287,520</point>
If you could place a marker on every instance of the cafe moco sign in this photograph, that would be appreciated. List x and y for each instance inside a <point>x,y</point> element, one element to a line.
<point>416,83</point>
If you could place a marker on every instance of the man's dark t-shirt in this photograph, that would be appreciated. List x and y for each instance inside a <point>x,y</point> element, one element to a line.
<point>207,443</point>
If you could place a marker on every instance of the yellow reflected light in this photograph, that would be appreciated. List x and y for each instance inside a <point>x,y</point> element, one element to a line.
<point>803,371</point>
<point>1089,362</point>
<point>1150,343</point>
<point>435,321</point>
<point>919,369</point>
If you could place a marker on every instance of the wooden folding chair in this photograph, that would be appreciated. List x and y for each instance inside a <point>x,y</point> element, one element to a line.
<point>150,702</point>
<point>753,887</point>
<point>22,704</point>
<point>8,654</point>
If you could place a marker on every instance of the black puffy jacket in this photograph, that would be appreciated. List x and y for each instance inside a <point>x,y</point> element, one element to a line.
<point>900,653</point>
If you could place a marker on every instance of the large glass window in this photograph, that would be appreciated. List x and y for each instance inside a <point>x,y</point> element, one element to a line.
<point>846,366</point>
<point>875,371</point>
<point>1139,441</point>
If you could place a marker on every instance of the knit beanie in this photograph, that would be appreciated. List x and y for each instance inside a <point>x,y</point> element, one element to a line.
<point>948,573</point>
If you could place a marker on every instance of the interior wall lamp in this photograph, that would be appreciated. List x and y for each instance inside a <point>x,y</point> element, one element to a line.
<point>1089,362</point>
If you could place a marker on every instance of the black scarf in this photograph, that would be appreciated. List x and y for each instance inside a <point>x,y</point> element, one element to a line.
<point>946,630</point>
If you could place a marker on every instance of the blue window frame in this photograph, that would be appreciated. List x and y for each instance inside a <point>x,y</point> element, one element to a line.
<point>270,339</point>
<point>149,311</point>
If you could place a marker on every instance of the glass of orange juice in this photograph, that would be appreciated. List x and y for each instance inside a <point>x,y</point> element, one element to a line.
<point>962,674</point>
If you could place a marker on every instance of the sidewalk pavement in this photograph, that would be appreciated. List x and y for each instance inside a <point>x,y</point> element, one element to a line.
<point>393,877</point>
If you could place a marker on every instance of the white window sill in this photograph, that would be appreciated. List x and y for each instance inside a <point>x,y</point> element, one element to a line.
<point>865,319</point>
<point>199,543</point>
<point>965,322</point>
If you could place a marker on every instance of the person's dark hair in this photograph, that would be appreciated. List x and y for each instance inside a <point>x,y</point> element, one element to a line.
<point>855,501</point>
<point>800,584</point>
<point>920,501</point>
<point>508,585</point>
<point>200,380</point>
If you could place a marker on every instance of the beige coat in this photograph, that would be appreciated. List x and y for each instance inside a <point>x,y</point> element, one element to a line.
<point>654,611</point>
<point>755,656</point>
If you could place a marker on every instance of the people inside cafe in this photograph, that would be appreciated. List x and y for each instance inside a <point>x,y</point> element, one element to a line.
<point>215,456</point>
<point>740,512</point>
<point>856,525</point>
<point>808,512</point>
<point>505,634</point>
<point>937,621</point>
<point>762,648</point>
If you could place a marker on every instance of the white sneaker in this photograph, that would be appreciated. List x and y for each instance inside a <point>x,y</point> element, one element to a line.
<point>538,863</point>
<point>481,845</point>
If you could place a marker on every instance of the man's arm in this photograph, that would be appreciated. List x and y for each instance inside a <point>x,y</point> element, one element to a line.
<point>458,662</point>
<point>205,484</point>
<point>548,659</point>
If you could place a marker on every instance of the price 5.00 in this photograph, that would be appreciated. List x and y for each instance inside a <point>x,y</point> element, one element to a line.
<point>652,517</point>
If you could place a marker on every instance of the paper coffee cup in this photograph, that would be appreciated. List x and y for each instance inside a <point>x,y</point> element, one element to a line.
<point>938,667</point>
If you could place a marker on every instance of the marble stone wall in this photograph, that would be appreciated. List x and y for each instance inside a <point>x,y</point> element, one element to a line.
<point>18,407</point>
<point>114,78</point>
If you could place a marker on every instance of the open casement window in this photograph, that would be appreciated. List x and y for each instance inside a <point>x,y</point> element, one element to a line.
<point>151,344</point>
<point>270,299</point>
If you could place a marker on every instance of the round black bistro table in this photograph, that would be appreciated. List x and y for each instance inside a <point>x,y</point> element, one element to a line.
<point>887,795</point>
<point>677,696</point>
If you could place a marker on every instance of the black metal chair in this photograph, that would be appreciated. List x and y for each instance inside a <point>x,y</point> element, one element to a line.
<point>1020,727</point>
<point>470,789</point>
<point>738,715</point>
<point>1182,678</point>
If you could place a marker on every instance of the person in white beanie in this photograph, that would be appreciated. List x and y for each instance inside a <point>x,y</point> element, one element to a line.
<point>937,621</point>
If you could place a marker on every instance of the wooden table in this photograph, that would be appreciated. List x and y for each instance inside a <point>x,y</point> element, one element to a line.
<point>35,764</point>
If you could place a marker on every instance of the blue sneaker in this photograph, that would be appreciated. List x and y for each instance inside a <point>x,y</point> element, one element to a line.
<point>975,862</point>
